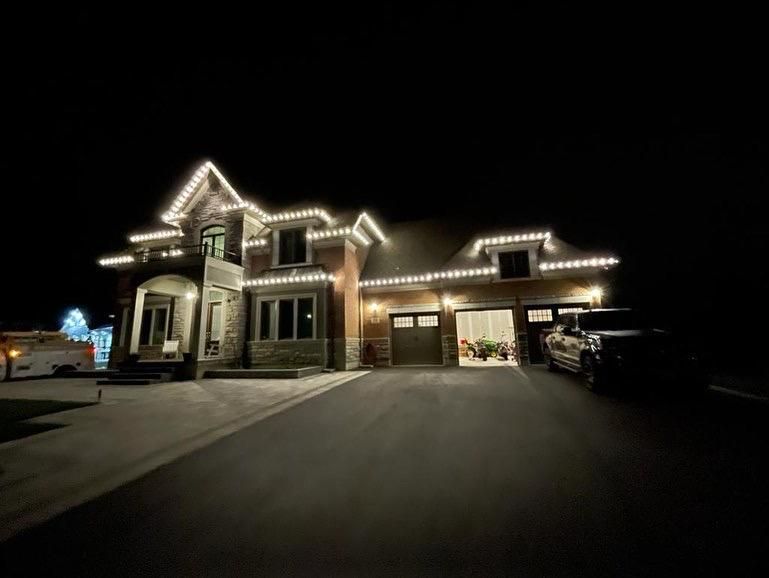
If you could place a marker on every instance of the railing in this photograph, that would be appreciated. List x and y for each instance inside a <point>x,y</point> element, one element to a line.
<point>187,251</point>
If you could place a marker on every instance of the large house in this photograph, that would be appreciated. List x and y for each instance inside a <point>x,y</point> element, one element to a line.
<point>237,286</point>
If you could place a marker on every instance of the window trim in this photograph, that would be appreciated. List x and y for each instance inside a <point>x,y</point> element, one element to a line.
<point>274,299</point>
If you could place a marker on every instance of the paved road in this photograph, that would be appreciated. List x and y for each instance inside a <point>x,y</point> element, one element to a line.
<point>432,471</point>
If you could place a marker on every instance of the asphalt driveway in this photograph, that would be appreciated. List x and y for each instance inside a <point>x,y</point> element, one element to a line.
<point>504,470</point>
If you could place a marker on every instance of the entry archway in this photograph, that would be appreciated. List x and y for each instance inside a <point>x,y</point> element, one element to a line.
<point>163,309</point>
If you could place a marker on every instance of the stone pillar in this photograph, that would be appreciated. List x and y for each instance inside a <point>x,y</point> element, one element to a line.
<point>137,321</point>
<point>449,335</point>
<point>521,335</point>
<point>187,331</point>
<point>203,320</point>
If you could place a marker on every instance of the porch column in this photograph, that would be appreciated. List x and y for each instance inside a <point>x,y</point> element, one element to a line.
<point>203,317</point>
<point>137,322</point>
<point>190,306</point>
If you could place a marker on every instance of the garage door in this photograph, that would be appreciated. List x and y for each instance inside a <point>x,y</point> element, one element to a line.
<point>416,339</point>
<point>539,317</point>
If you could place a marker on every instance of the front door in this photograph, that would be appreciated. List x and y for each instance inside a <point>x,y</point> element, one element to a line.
<point>416,339</point>
<point>213,328</point>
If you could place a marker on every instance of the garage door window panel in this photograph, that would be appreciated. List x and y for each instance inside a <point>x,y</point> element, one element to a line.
<point>427,321</point>
<point>540,315</point>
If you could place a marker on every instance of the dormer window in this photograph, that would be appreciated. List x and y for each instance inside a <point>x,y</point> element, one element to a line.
<point>212,238</point>
<point>514,265</point>
<point>292,246</point>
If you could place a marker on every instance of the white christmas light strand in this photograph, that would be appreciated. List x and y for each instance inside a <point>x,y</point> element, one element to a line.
<point>119,260</point>
<point>429,277</point>
<point>255,243</point>
<point>164,234</point>
<point>296,215</point>
<point>222,180</point>
<point>361,237</point>
<point>505,239</point>
<point>289,279</point>
<point>579,263</point>
<point>175,211</point>
<point>244,205</point>
<point>176,207</point>
<point>373,226</point>
<point>340,232</point>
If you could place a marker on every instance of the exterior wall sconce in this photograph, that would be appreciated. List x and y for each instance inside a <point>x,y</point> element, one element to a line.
<point>596,293</point>
<point>374,308</point>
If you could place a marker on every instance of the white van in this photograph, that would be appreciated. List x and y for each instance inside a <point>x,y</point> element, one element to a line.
<point>36,353</point>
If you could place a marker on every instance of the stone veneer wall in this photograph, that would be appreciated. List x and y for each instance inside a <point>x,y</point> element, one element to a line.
<point>181,306</point>
<point>301,352</point>
<point>450,349</point>
<point>381,348</point>
<point>117,354</point>
<point>346,353</point>
<point>233,332</point>
<point>203,365</point>
<point>150,352</point>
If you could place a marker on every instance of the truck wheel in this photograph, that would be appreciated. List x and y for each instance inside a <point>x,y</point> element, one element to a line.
<point>59,371</point>
<point>551,365</point>
<point>595,380</point>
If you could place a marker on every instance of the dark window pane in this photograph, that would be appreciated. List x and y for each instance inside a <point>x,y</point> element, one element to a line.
<point>286,319</point>
<point>159,332</point>
<point>267,320</point>
<point>514,264</point>
<point>305,319</point>
<point>144,334</point>
<point>293,247</point>
<point>213,239</point>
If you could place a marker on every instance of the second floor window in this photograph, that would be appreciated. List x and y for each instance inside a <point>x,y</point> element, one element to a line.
<point>292,247</point>
<point>514,265</point>
<point>213,239</point>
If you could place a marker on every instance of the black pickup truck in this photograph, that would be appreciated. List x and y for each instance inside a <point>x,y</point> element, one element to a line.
<point>608,346</point>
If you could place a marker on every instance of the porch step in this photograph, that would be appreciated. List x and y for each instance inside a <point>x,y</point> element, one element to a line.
<point>118,381</point>
<point>148,368</point>
<point>97,373</point>
<point>271,373</point>
<point>160,376</point>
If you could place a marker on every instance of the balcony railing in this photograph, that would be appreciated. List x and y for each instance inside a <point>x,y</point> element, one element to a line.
<point>187,251</point>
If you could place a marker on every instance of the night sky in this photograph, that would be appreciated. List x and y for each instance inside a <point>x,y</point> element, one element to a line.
<point>639,133</point>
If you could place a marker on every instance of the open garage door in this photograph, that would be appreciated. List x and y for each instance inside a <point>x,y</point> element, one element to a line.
<point>539,317</point>
<point>496,326</point>
<point>416,339</point>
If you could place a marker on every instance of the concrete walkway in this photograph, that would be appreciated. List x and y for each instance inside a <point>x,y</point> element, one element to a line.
<point>134,430</point>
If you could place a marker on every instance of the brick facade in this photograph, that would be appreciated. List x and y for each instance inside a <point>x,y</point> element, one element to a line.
<point>348,331</point>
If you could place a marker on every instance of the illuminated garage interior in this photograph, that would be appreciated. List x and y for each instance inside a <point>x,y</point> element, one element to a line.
<point>490,324</point>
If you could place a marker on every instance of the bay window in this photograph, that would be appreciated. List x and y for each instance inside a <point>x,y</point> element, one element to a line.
<point>286,318</point>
